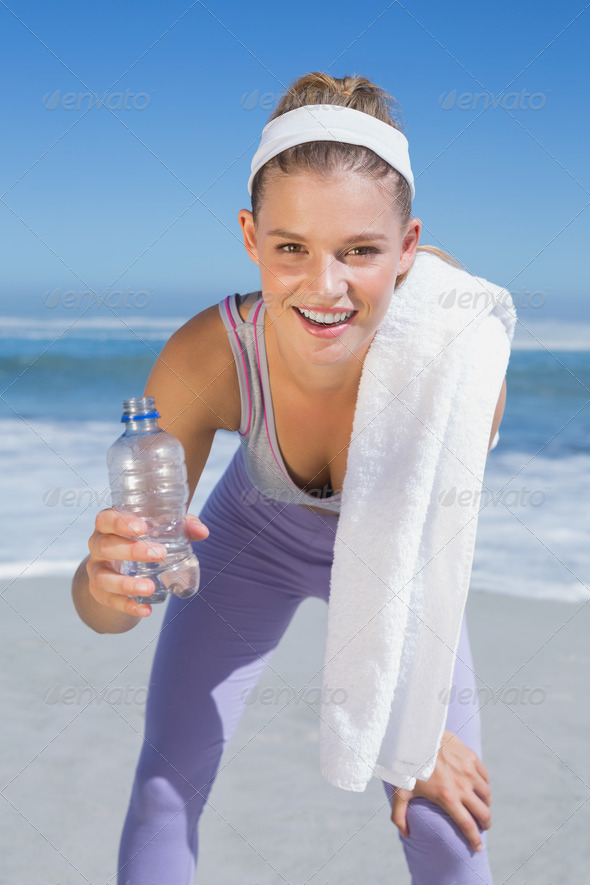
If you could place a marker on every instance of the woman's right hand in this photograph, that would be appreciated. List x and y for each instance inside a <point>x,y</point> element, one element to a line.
<point>460,784</point>
<point>116,538</point>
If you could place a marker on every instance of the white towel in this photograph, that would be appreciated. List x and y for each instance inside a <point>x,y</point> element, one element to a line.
<point>406,534</point>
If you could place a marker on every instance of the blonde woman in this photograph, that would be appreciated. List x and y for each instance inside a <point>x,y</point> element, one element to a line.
<point>332,232</point>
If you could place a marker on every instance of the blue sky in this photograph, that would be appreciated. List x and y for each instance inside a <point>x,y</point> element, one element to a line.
<point>141,195</point>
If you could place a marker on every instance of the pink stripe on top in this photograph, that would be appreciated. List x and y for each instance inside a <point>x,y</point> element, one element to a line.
<point>234,325</point>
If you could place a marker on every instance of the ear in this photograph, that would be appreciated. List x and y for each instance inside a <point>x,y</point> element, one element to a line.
<point>246,220</point>
<point>409,245</point>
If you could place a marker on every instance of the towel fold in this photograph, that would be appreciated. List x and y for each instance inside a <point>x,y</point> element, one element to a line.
<point>404,546</point>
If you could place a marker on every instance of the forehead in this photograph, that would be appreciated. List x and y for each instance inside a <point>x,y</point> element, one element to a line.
<point>304,200</point>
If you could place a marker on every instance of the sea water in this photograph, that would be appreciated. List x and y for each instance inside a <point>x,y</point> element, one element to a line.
<point>534,522</point>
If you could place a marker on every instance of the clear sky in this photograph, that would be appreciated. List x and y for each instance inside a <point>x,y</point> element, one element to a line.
<point>141,194</point>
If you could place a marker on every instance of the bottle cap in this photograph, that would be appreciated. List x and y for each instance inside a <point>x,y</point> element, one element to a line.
<point>138,408</point>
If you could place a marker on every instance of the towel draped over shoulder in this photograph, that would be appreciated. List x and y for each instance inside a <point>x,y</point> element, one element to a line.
<point>405,540</point>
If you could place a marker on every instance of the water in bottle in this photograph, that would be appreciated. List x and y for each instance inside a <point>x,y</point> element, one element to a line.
<point>148,478</point>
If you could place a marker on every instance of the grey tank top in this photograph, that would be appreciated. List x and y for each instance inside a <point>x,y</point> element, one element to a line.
<point>262,456</point>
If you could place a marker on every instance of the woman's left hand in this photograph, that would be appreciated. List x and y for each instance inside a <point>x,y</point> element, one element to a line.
<point>459,784</point>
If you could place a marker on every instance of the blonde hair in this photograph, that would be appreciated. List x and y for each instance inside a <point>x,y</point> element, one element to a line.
<point>324,157</point>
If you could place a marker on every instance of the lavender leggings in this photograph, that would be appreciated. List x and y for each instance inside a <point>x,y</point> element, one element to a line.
<point>261,560</point>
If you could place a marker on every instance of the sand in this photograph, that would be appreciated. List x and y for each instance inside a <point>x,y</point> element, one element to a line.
<point>67,762</point>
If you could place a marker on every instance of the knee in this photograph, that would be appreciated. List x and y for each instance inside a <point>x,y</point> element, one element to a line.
<point>436,843</point>
<point>428,820</point>
<point>154,796</point>
<point>162,790</point>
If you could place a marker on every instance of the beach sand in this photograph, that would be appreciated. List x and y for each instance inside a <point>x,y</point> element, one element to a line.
<point>68,762</point>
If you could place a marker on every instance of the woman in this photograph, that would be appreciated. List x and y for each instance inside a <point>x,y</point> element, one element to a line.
<point>332,233</point>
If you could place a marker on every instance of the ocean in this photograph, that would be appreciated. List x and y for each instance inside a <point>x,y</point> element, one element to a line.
<point>60,408</point>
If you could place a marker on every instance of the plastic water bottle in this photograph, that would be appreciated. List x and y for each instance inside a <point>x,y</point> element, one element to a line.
<point>147,477</point>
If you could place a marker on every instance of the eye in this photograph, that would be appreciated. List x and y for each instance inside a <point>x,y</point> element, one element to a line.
<point>283,246</point>
<point>370,248</point>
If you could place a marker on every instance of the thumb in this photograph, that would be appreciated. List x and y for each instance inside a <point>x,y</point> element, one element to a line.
<point>195,527</point>
<point>399,809</point>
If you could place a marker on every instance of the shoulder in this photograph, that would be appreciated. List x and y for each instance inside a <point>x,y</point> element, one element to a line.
<point>195,372</point>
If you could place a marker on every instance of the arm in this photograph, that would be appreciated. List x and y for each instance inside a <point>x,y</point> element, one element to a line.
<point>498,413</point>
<point>195,385</point>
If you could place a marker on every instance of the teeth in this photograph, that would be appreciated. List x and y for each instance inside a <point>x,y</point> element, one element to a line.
<point>326,319</point>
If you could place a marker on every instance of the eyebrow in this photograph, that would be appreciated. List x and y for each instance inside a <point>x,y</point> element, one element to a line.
<point>367,235</point>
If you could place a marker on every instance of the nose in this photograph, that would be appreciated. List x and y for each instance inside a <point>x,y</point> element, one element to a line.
<point>327,281</point>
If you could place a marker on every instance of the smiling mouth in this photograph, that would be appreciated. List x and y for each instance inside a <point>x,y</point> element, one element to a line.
<point>326,318</point>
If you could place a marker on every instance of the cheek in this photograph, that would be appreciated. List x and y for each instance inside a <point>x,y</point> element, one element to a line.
<point>278,275</point>
<point>278,270</point>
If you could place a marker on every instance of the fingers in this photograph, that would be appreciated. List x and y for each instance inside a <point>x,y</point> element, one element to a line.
<point>479,798</point>
<point>479,810</point>
<point>196,528</point>
<point>120,522</point>
<point>473,806</point>
<point>457,810</point>
<point>114,590</point>
<point>117,538</point>
<point>399,810</point>
<point>117,547</point>
<point>481,769</point>
<point>465,820</point>
<point>482,788</point>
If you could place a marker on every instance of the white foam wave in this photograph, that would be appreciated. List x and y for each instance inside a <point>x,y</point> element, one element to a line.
<point>529,335</point>
<point>38,568</point>
<point>50,328</point>
<point>532,537</point>
<point>551,335</point>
